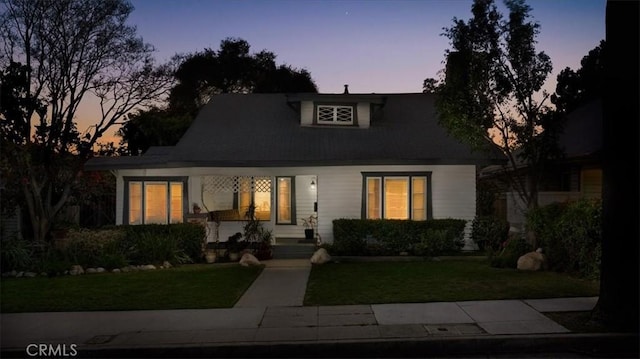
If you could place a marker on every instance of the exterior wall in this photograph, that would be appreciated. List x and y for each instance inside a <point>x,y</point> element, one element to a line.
<point>591,179</point>
<point>338,192</point>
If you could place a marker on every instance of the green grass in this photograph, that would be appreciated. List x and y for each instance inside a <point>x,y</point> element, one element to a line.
<point>186,287</point>
<point>434,281</point>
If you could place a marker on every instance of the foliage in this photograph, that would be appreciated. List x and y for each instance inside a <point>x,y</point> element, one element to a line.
<point>512,249</point>
<point>390,237</point>
<point>96,248</point>
<point>489,233</point>
<point>15,254</point>
<point>155,243</point>
<point>570,235</point>
<point>232,69</point>
<point>55,54</point>
<point>575,88</point>
<point>153,127</point>
<point>310,222</point>
<point>489,97</point>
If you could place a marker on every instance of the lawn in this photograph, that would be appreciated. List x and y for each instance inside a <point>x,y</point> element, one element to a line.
<point>435,281</point>
<point>185,287</point>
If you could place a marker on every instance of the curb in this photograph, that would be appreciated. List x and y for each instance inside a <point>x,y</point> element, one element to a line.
<point>607,345</point>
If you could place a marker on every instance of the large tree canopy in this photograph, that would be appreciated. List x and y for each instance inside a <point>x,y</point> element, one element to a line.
<point>491,95</point>
<point>575,88</point>
<point>201,75</point>
<point>54,55</point>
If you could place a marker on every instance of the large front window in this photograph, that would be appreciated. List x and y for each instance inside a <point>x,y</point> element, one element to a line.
<point>396,196</point>
<point>155,200</point>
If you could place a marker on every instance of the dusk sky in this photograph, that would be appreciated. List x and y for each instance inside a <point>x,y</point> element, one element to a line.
<point>374,46</point>
<point>381,46</point>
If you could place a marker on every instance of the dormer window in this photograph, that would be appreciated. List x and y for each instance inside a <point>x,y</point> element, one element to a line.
<point>334,115</point>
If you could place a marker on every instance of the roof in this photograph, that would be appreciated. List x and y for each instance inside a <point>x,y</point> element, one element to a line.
<point>263,130</point>
<point>582,135</point>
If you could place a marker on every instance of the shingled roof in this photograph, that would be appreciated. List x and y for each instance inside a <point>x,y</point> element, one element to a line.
<point>263,130</point>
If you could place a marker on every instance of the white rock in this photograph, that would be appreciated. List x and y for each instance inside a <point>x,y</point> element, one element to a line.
<point>116,270</point>
<point>20,275</point>
<point>321,256</point>
<point>166,264</point>
<point>100,270</point>
<point>532,261</point>
<point>249,259</point>
<point>76,270</point>
<point>30,274</point>
<point>148,267</point>
<point>91,271</point>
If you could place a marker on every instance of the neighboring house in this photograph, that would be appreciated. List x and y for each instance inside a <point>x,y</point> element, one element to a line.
<point>296,155</point>
<point>577,175</point>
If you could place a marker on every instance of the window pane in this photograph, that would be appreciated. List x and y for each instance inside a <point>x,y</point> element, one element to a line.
<point>284,200</point>
<point>262,198</point>
<point>135,203</point>
<point>396,198</point>
<point>418,198</point>
<point>155,203</point>
<point>244,196</point>
<point>373,198</point>
<point>176,202</point>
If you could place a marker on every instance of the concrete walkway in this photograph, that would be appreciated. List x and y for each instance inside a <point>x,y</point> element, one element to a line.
<point>270,319</point>
<point>282,283</point>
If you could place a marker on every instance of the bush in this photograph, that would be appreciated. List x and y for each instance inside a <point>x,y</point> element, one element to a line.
<point>391,237</point>
<point>95,248</point>
<point>15,254</point>
<point>570,235</point>
<point>512,250</point>
<point>489,233</point>
<point>155,243</point>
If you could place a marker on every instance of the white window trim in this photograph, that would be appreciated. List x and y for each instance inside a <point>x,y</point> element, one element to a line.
<point>334,118</point>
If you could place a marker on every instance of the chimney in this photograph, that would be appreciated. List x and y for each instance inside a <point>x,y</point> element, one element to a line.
<point>346,89</point>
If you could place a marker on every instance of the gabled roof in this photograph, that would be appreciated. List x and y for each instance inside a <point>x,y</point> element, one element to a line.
<point>261,130</point>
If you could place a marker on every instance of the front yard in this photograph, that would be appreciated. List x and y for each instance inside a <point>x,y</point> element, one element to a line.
<point>221,285</point>
<point>185,287</point>
<point>469,278</point>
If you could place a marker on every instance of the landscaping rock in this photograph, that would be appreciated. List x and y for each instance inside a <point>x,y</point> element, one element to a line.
<point>76,270</point>
<point>148,267</point>
<point>166,264</point>
<point>91,271</point>
<point>30,274</point>
<point>532,261</point>
<point>116,270</point>
<point>249,259</point>
<point>321,256</point>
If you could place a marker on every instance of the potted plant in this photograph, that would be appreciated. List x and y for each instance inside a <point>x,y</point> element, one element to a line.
<point>196,208</point>
<point>309,226</point>
<point>235,245</point>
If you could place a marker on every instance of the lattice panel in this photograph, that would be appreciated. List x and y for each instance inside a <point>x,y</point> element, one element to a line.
<point>235,184</point>
<point>343,114</point>
<point>325,114</point>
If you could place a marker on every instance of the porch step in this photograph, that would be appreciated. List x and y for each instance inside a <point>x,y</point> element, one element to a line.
<point>293,251</point>
<point>294,241</point>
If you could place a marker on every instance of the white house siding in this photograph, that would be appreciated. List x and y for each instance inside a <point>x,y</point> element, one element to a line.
<point>339,192</point>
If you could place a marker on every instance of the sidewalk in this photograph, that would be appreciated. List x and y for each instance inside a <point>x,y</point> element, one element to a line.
<point>258,327</point>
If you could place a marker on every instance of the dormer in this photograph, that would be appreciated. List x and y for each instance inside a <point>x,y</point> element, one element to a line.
<point>336,110</point>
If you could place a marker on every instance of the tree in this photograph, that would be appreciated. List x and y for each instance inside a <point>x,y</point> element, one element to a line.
<point>54,54</point>
<point>575,88</point>
<point>489,97</point>
<point>201,75</point>
<point>232,69</point>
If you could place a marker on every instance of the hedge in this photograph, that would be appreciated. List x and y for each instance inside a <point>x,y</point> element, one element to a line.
<point>392,237</point>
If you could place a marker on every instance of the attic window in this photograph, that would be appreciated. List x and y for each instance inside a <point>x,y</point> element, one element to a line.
<point>334,115</point>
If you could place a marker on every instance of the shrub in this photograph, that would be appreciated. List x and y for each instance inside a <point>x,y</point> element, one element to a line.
<point>15,254</point>
<point>391,237</point>
<point>155,243</point>
<point>95,248</point>
<point>513,248</point>
<point>435,242</point>
<point>570,235</point>
<point>489,233</point>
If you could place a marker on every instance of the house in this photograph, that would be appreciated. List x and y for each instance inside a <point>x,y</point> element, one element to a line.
<point>578,174</point>
<point>297,155</point>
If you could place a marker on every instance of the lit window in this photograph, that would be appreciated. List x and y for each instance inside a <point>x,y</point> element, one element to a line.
<point>391,196</point>
<point>156,201</point>
<point>285,200</point>
<point>334,115</point>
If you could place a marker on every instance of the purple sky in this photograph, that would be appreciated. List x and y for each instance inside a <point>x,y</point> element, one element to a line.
<point>378,46</point>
